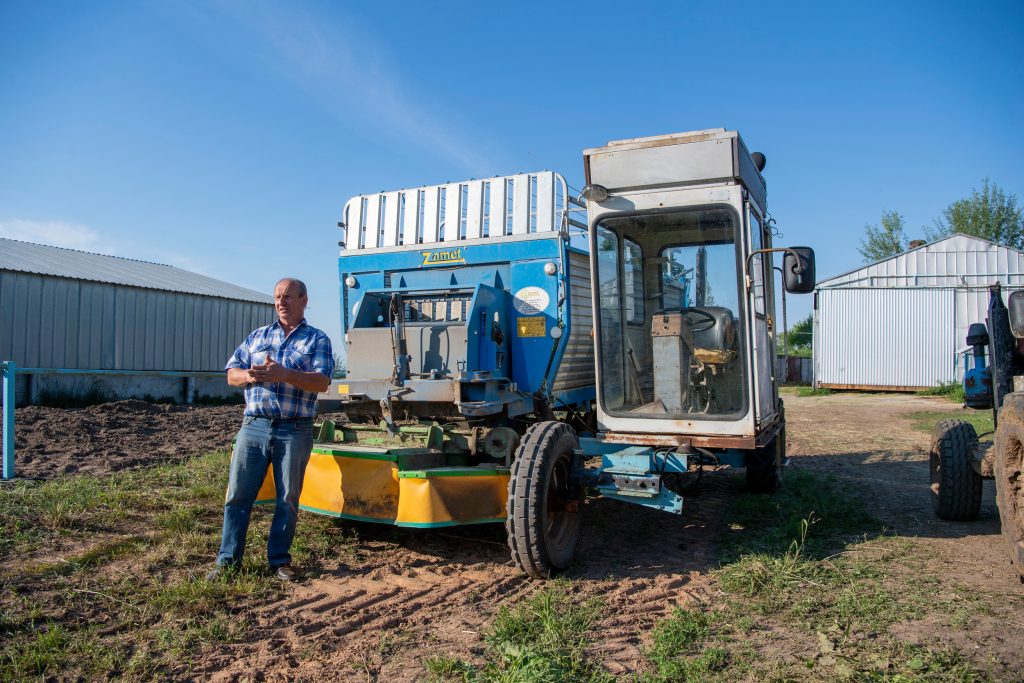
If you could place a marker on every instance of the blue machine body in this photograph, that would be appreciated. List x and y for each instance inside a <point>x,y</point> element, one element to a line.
<point>483,325</point>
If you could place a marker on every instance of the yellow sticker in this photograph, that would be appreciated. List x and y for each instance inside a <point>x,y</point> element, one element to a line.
<point>531,327</point>
<point>342,388</point>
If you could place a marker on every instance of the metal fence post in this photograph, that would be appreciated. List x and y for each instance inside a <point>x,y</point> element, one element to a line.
<point>8,403</point>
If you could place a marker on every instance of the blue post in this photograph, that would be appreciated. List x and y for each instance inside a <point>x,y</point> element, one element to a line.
<point>8,372</point>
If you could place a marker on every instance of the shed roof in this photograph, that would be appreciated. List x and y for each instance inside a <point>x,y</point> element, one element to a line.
<point>954,261</point>
<point>41,259</point>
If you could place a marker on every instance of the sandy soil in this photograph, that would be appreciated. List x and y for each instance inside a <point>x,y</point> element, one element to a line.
<point>406,594</point>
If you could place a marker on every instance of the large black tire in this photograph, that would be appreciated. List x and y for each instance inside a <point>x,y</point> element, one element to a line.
<point>764,465</point>
<point>544,516</point>
<point>1009,475</point>
<point>955,486</point>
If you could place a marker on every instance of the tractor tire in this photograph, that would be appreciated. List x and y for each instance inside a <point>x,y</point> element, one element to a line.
<point>764,465</point>
<point>955,486</point>
<point>544,516</point>
<point>1009,475</point>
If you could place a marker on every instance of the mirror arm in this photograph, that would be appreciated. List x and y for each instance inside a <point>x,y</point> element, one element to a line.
<point>785,250</point>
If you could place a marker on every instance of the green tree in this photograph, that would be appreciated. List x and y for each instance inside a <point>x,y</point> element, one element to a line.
<point>991,214</point>
<point>884,240</point>
<point>801,336</point>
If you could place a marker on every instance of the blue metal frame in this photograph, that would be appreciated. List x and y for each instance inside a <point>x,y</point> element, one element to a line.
<point>494,270</point>
<point>633,474</point>
<point>9,372</point>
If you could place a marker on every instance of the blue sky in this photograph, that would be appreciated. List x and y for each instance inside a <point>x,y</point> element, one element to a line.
<point>225,137</point>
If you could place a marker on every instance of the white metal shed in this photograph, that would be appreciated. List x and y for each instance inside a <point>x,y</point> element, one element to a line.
<point>900,324</point>
<point>71,320</point>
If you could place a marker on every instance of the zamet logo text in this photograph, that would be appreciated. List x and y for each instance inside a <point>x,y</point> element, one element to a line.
<point>439,256</point>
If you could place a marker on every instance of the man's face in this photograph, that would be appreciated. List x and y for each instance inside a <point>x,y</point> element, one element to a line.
<point>291,307</point>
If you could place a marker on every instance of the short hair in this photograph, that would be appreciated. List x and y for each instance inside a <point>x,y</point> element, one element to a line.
<point>296,281</point>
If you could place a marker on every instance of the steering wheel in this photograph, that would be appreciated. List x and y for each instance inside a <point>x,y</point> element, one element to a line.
<point>705,320</point>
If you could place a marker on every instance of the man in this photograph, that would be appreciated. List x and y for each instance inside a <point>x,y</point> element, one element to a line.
<point>282,367</point>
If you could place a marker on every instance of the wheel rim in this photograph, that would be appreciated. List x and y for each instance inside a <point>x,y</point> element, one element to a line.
<point>933,466</point>
<point>561,509</point>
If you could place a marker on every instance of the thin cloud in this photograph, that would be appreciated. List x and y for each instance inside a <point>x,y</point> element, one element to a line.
<point>342,64</point>
<point>84,238</point>
<point>56,234</point>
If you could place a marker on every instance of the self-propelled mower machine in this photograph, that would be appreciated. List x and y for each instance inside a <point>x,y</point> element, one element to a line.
<point>498,371</point>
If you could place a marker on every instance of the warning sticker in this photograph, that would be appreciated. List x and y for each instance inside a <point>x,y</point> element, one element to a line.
<point>343,389</point>
<point>531,301</point>
<point>531,327</point>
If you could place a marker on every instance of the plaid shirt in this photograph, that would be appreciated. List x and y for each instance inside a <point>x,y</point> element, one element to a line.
<point>306,349</point>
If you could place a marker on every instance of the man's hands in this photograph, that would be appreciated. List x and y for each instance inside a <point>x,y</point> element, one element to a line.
<point>271,371</point>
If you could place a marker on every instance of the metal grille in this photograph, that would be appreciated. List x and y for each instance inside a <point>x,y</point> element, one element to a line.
<point>452,307</point>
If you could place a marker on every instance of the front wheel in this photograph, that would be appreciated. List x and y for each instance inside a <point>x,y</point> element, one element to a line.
<point>955,486</point>
<point>544,517</point>
<point>764,465</point>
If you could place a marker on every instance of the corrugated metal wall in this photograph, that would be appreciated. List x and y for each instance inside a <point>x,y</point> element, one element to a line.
<point>895,338</point>
<point>51,322</point>
<point>577,367</point>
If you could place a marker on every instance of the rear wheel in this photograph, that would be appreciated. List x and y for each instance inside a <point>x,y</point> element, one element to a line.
<point>764,465</point>
<point>544,517</point>
<point>955,486</point>
<point>1009,475</point>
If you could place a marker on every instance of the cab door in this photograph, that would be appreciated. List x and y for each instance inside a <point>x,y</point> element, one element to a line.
<point>761,302</point>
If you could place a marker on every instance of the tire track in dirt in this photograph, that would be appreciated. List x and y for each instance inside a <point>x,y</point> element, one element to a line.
<point>348,617</point>
<point>437,594</point>
<point>646,563</point>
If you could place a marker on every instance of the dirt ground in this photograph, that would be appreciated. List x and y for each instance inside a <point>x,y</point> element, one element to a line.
<point>113,436</point>
<point>406,594</point>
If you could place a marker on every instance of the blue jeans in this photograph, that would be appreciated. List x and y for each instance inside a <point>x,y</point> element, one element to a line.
<point>262,443</point>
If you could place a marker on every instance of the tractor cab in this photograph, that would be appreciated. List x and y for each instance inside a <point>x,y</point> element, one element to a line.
<point>684,296</point>
<point>682,273</point>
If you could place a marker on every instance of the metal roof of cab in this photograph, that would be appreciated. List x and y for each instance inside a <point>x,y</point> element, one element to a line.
<point>696,157</point>
<point>28,257</point>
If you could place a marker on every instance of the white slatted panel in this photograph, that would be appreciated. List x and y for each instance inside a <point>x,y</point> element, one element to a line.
<point>520,204</point>
<point>432,199</point>
<point>452,198</point>
<point>543,205</point>
<point>352,219</point>
<point>545,201</point>
<point>391,219</point>
<point>372,221</point>
<point>497,222</point>
<point>474,209</point>
<point>412,216</point>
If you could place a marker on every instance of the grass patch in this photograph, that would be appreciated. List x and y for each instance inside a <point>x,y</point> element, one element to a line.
<point>954,391</point>
<point>147,590</point>
<point>447,667</point>
<point>769,523</point>
<point>925,420</point>
<point>811,563</point>
<point>678,651</point>
<point>812,391</point>
<point>543,639</point>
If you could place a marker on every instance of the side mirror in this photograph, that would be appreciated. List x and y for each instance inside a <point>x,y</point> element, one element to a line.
<point>1016,306</point>
<point>798,274</point>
